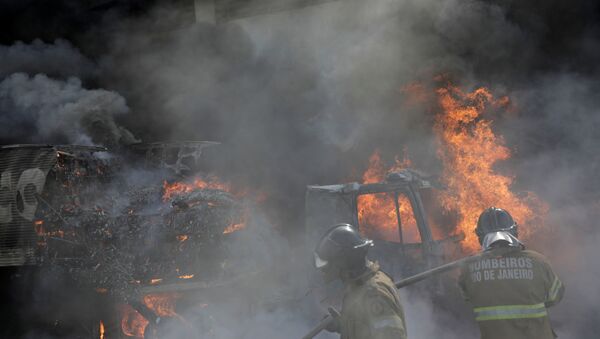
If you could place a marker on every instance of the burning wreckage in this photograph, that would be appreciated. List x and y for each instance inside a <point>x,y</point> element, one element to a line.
<point>74,209</point>
<point>397,213</point>
<point>147,226</point>
<point>144,244</point>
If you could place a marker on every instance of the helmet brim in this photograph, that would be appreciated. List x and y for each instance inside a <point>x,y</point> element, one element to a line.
<point>319,262</point>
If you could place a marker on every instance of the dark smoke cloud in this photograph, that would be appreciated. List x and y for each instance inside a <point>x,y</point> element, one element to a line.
<point>42,110</point>
<point>42,99</point>
<point>58,60</point>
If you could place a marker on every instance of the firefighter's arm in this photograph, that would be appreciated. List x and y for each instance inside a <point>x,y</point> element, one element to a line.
<point>385,318</point>
<point>556,290</point>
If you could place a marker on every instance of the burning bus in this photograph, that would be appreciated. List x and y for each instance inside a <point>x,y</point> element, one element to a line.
<point>140,228</point>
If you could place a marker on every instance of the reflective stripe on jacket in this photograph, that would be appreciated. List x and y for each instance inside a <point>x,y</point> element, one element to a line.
<point>510,312</point>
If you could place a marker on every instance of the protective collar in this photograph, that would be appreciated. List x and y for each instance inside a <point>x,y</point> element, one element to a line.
<point>494,237</point>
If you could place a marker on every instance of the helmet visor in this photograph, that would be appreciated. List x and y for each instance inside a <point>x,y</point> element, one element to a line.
<point>319,262</point>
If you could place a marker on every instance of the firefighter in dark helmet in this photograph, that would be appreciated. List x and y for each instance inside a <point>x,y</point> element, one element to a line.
<point>371,306</point>
<point>510,288</point>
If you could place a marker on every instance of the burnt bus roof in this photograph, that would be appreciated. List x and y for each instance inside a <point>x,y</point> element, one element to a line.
<point>81,148</point>
<point>394,181</point>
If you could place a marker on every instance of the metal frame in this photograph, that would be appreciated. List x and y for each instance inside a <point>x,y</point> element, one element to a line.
<point>406,182</point>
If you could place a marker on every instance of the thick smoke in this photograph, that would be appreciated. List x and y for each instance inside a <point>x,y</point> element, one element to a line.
<point>42,99</point>
<point>60,59</point>
<point>60,111</point>
<point>304,97</point>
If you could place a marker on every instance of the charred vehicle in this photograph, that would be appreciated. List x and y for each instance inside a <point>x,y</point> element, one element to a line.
<point>398,214</point>
<point>139,230</point>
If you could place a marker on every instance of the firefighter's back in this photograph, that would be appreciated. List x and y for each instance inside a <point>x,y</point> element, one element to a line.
<point>510,290</point>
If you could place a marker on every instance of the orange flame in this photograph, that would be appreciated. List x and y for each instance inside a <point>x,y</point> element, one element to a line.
<point>469,149</point>
<point>172,189</point>
<point>377,212</point>
<point>162,304</point>
<point>101,330</point>
<point>234,227</point>
<point>187,276</point>
<point>133,324</point>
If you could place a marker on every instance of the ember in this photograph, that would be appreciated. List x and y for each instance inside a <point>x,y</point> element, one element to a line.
<point>234,227</point>
<point>101,330</point>
<point>163,304</point>
<point>188,276</point>
<point>173,189</point>
<point>133,324</point>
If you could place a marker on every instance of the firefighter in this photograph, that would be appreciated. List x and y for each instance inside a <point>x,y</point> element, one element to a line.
<point>371,306</point>
<point>510,288</point>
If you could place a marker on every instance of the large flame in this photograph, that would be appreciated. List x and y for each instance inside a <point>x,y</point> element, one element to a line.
<point>469,149</point>
<point>377,212</point>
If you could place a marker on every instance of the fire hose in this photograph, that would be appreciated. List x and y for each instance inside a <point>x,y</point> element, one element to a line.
<point>400,284</point>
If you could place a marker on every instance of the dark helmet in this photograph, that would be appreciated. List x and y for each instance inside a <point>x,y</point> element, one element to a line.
<point>342,247</point>
<point>495,219</point>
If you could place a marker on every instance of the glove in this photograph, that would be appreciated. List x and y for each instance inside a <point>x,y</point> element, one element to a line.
<point>334,324</point>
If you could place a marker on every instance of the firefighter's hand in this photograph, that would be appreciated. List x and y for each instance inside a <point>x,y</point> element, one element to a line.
<point>334,325</point>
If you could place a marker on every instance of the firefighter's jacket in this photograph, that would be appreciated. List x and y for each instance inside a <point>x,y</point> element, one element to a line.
<point>371,308</point>
<point>510,290</point>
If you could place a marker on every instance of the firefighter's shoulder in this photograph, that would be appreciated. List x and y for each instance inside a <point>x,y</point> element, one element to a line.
<point>376,294</point>
<point>538,257</point>
<point>381,307</point>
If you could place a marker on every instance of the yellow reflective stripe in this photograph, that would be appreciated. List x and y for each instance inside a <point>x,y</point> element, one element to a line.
<point>513,316</point>
<point>507,307</point>
<point>510,312</point>
<point>554,289</point>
